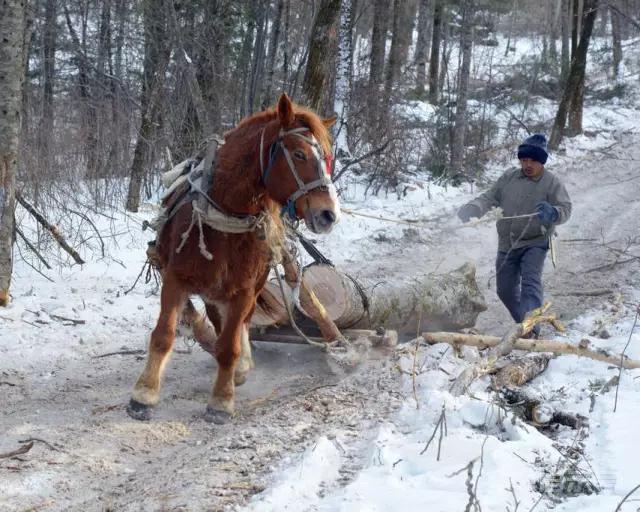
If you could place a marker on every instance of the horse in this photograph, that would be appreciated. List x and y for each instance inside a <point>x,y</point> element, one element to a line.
<point>273,164</point>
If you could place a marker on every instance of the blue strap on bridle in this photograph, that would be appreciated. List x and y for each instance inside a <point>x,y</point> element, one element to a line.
<point>273,150</point>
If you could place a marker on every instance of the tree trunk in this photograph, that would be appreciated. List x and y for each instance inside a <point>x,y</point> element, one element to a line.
<point>344,76</point>
<point>428,302</point>
<point>195,93</point>
<point>393,64</point>
<point>376,65</point>
<point>267,94</point>
<point>466,42</point>
<point>575,26</point>
<point>422,46</point>
<point>324,34</point>
<point>514,11</point>
<point>12,27</point>
<point>565,59</point>
<point>156,58</point>
<point>244,63</point>
<point>575,81</point>
<point>48,75</point>
<point>554,8</point>
<point>616,43</point>
<point>257,64</point>
<point>577,100</point>
<point>434,62</point>
<point>90,114</point>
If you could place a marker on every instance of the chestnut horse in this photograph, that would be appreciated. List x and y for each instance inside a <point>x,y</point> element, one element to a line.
<point>275,163</point>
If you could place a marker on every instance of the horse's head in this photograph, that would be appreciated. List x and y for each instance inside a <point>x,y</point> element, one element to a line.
<point>296,166</point>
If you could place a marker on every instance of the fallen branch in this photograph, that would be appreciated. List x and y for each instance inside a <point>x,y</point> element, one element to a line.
<point>121,353</point>
<point>65,319</point>
<point>501,348</point>
<point>32,248</point>
<point>31,440</point>
<point>557,347</point>
<point>50,228</point>
<point>19,451</point>
<point>586,293</point>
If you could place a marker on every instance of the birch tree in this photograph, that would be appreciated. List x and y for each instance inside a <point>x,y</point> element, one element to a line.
<point>12,26</point>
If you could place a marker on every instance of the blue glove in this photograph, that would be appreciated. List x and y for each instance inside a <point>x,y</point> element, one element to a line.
<point>467,211</point>
<point>546,213</point>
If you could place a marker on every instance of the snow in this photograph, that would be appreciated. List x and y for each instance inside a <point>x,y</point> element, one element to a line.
<point>515,459</point>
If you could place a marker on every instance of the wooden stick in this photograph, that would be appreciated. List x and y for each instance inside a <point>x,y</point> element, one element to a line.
<point>32,248</point>
<point>387,339</point>
<point>557,347</point>
<point>23,449</point>
<point>50,228</point>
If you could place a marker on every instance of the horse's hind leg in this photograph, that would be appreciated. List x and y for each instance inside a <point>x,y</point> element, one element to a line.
<point>146,392</point>
<point>229,348</point>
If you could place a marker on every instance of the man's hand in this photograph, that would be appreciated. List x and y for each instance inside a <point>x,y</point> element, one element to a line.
<point>546,213</point>
<point>468,211</point>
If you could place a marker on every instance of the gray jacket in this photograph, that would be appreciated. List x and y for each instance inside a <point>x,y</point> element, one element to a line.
<point>518,195</point>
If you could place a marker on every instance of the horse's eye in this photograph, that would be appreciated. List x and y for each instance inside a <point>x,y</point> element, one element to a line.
<point>300,155</point>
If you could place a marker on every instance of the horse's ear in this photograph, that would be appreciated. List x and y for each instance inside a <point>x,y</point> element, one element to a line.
<point>330,121</point>
<point>285,111</point>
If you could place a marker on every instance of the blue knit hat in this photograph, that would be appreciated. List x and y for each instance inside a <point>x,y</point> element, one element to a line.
<point>534,147</point>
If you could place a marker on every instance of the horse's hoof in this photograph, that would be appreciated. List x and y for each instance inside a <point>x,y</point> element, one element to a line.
<point>216,416</point>
<point>240,378</point>
<point>139,411</point>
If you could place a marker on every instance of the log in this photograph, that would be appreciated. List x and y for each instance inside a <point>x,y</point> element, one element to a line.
<point>270,309</point>
<point>309,301</point>
<point>519,372</point>
<point>433,301</point>
<point>529,345</point>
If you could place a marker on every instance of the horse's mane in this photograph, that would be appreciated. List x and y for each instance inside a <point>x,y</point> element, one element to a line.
<point>249,125</point>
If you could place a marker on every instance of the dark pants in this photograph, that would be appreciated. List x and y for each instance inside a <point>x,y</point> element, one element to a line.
<point>519,279</point>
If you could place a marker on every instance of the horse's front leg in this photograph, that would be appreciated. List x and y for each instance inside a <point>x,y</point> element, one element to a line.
<point>232,342</point>
<point>146,392</point>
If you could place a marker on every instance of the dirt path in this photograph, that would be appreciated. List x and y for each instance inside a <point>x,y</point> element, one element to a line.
<point>605,190</point>
<point>97,458</point>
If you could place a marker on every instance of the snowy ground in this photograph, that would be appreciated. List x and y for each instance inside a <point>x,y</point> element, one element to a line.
<point>307,436</point>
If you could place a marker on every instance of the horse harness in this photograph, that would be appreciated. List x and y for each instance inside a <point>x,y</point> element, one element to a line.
<point>199,176</point>
<point>323,166</point>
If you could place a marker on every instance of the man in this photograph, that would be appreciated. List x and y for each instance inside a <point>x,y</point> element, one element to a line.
<point>533,202</point>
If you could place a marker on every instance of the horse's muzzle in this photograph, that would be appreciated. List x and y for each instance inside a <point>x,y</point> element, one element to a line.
<point>321,220</point>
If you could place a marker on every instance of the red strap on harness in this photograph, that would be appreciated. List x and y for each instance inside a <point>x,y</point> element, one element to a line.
<point>328,160</point>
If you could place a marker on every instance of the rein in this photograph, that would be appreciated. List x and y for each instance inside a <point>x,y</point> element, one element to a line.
<point>323,166</point>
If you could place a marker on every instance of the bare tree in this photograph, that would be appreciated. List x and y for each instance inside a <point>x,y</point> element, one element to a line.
<point>467,8</point>
<point>156,58</point>
<point>574,88</point>
<point>616,41</point>
<point>434,61</point>
<point>394,62</point>
<point>323,36</point>
<point>12,27</point>
<point>422,45</point>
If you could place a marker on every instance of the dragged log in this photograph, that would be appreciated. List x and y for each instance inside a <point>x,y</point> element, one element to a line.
<point>270,308</point>
<point>428,302</point>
